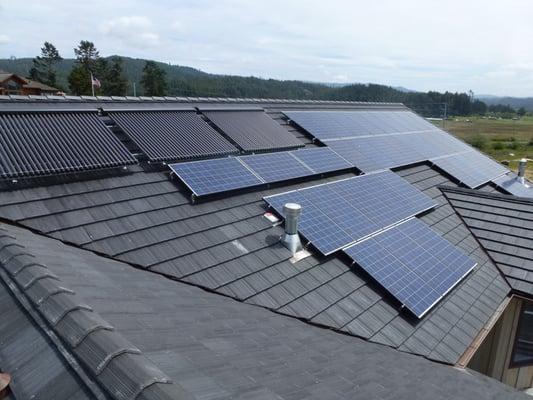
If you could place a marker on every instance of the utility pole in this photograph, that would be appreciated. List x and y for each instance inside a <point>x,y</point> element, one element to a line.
<point>134,90</point>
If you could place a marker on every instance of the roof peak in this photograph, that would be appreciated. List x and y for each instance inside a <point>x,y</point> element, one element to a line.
<point>179,99</point>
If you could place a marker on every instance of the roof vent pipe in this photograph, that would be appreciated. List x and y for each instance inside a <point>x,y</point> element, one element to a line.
<point>522,164</point>
<point>290,238</point>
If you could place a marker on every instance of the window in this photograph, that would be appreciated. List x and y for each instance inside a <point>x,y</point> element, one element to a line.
<point>523,347</point>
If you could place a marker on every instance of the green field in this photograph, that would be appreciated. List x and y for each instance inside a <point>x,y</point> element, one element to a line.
<point>503,139</point>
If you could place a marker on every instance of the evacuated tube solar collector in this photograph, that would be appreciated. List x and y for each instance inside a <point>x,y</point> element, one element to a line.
<point>290,238</point>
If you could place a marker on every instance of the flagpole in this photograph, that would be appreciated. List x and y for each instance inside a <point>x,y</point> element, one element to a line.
<point>92,85</point>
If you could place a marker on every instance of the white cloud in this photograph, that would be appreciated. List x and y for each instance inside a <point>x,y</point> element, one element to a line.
<point>418,44</point>
<point>4,39</point>
<point>132,30</point>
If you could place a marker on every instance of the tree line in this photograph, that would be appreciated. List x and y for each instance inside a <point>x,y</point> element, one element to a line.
<point>154,82</point>
<point>88,65</point>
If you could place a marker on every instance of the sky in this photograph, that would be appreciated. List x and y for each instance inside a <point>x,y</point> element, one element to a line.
<point>483,46</point>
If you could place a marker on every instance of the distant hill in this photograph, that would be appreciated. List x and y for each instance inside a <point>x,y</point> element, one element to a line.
<point>187,81</point>
<point>132,68</point>
<point>515,102</point>
<point>405,90</point>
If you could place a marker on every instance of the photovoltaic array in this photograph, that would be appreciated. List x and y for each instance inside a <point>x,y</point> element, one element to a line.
<point>339,213</point>
<point>38,144</point>
<point>471,168</point>
<point>512,185</point>
<point>321,160</point>
<point>413,263</point>
<point>329,125</point>
<point>221,175</point>
<point>253,130</point>
<point>214,176</point>
<point>275,167</point>
<point>380,152</point>
<point>376,140</point>
<point>172,135</point>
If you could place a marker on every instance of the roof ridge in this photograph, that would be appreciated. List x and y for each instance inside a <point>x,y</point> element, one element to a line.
<point>105,353</point>
<point>478,193</point>
<point>188,99</point>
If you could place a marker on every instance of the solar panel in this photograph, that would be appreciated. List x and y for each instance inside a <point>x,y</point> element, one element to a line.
<point>322,159</point>
<point>337,214</point>
<point>221,175</point>
<point>33,144</point>
<point>328,125</point>
<point>472,168</point>
<point>413,263</point>
<point>253,130</point>
<point>172,135</point>
<point>275,167</point>
<point>215,176</point>
<point>512,185</point>
<point>380,152</point>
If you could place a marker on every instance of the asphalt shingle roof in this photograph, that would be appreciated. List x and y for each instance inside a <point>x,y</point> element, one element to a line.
<point>141,324</point>
<point>503,224</point>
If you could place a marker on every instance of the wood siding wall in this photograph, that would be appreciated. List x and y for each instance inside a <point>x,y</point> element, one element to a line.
<point>494,355</point>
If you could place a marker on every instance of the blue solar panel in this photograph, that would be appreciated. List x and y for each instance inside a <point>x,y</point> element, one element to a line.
<point>337,214</point>
<point>213,176</point>
<point>328,125</point>
<point>221,175</point>
<point>275,167</point>
<point>471,168</point>
<point>512,185</point>
<point>322,159</point>
<point>413,263</point>
<point>389,151</point>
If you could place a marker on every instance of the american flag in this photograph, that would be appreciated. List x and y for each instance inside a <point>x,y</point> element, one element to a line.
<point>95,82</point>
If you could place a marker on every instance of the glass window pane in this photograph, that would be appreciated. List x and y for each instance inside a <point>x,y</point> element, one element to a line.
<point>523,351</point>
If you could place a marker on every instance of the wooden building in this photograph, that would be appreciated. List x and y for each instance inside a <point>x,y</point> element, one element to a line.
<point>506,352</point>
<point>13,84</point>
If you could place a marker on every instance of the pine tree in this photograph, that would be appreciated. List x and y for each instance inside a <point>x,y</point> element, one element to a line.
<point>115,84</point>
<point>87,61</point>
<point>43,66</point>
<point>153,80</point>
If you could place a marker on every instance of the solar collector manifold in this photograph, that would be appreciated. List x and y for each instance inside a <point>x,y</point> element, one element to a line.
<point>47,143</point>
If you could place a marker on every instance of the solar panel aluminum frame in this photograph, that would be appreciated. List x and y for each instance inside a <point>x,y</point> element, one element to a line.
<point>362,238</point>
<point>419,316</point>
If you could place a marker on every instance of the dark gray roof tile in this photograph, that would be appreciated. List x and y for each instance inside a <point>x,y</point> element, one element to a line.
<point>227,244</point>
<point>502,224</point>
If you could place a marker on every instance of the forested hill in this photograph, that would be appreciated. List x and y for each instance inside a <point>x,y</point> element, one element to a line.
<point>186,81</point>
<point>132,69</point>
<point>514,102</point>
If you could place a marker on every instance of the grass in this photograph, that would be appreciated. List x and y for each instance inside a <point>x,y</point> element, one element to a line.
<point>504,140</point>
